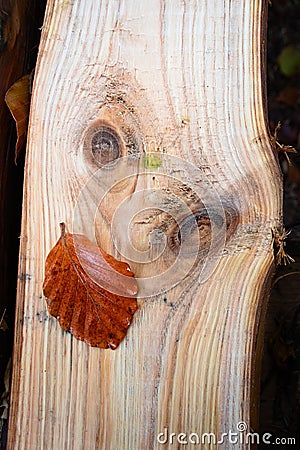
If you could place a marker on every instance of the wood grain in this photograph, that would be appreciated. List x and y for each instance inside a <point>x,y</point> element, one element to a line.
<point>183,80</point>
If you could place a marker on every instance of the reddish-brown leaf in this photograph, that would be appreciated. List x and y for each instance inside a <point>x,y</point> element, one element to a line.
<point>91,294</point>
<point>17,99</point>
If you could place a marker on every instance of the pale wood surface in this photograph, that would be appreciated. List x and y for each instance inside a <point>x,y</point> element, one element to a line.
<point>186,78</point>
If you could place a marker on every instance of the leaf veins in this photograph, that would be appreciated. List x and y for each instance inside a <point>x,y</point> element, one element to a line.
<point>90,293</point>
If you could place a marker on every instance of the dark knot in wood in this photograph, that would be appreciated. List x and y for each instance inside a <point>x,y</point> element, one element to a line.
<point>102,145</point>
<point>105,146</point>
<point>195,230</point>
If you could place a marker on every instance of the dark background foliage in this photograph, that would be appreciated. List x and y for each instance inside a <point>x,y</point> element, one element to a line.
<point>280,386</point>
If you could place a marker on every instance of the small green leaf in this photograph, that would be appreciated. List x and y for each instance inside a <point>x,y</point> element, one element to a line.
<point>289,61</point>
<point>152,161</point>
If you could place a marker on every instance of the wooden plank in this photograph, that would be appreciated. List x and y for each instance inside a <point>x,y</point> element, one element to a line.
<point>183,80</point>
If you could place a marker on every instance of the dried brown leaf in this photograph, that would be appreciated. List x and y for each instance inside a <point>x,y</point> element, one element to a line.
<point>289,95</point>
<point>91,294</point>
<point>17,99</point>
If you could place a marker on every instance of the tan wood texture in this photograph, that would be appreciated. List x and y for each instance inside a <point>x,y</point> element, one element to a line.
<point>185,80</point>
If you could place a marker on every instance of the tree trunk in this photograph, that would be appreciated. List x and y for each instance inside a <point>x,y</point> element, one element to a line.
<point>176,89</point>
